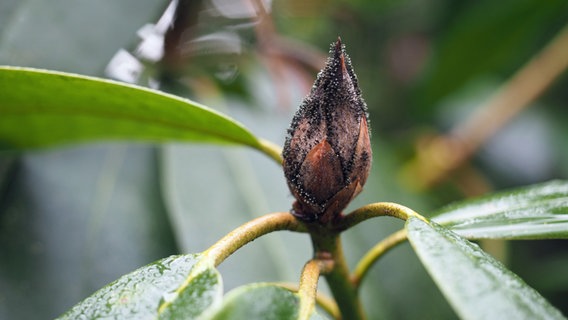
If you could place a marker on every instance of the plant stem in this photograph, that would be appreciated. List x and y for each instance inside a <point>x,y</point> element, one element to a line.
<point>440,157</point>
<point>374,254</point>
<point>236,239</point>
<point>309,285</point>
<point>374,210</point>
<point>323,301</point>
<point>271,149</point>
<point>308,288</point>
<point>327,246</point>
<point>250,231</point>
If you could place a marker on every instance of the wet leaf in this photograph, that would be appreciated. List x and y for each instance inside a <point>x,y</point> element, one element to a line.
<point>194,297</point>
<point>137,295</point>
<point>536,212</point>
<point>259,301</point>
<point>43,108</point>
<point>476,285</point>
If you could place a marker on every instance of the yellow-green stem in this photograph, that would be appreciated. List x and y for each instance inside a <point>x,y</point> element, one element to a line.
<point>328,246</point>
<point>374,210</point>
<point>250,231</point>
<point>374,254</point>
<point>271,149</point>
<point>236,239</point>
<point>323,301</point>
<point>309,285</point>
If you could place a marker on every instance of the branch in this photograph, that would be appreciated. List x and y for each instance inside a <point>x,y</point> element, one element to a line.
<point>375,253</point>
<point>271,149</point>
<point>374,210</point>
<point>325,302</point>
<point>444,154</point>
<point>309,285</point>
<point>250,231</point>
<point>327,246</point>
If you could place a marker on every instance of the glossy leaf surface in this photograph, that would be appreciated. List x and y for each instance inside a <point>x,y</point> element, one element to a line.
<point>476,285</point>
<point>194,296</point>
<point>535,212</point>
<point>137,295</point>
<point>42,108</point>
<point>115,221</point>
<point>258,301</point>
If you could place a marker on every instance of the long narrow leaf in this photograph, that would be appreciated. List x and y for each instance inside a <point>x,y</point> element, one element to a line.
<point>41,108</point>
<point>535,212</point>
<point>476,285</point>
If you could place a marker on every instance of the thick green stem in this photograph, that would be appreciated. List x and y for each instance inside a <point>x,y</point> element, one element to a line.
<point>328,246</point>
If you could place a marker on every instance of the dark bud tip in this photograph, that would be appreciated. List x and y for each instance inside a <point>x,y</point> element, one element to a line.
<point>338,45</point>
<point>327,154</point>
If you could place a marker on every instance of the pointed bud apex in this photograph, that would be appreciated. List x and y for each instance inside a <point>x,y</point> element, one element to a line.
<point>327,154</point>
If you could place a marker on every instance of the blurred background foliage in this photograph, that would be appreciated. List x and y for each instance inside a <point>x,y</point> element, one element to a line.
<point>77,217</point>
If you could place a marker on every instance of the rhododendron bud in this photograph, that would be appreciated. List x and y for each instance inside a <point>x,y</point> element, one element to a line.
<point>327,154</point>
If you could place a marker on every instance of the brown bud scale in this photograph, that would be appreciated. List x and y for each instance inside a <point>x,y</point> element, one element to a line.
<point>327,154</point>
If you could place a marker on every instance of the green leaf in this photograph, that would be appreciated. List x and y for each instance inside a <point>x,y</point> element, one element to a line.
<point>115,221</point>
<point>259,301</point>
<point>42,108</point>
<point>476,285</point>
<point>193,297</point>
<point>137,295</point>
<point>536,212</point>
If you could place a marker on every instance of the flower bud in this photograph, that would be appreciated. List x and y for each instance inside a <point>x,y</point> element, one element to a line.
<point>327,153</point>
